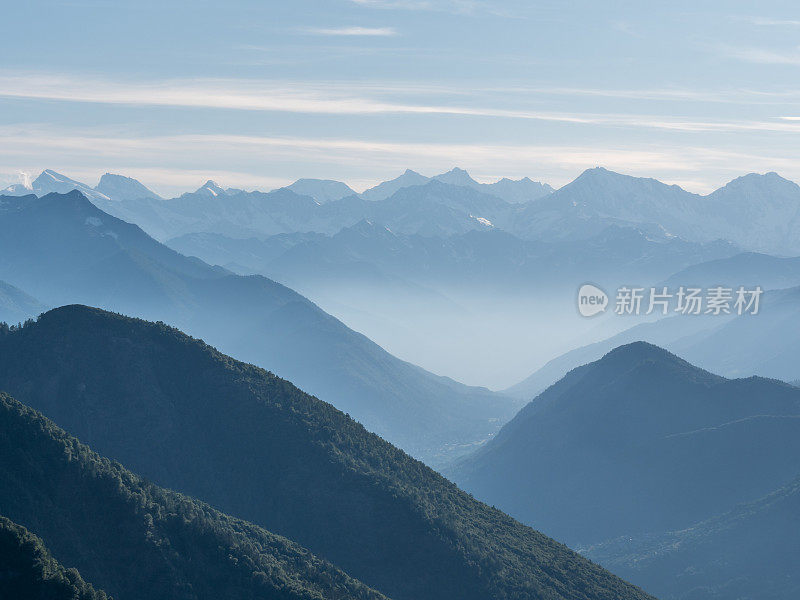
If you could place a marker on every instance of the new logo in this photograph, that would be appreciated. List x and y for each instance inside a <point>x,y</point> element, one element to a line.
<point>591,300</point>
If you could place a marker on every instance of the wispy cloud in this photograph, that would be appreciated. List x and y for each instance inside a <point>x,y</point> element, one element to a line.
<point>763,56</point>
<point>352,31</point>
<point>464,7</point>
<point>336,99</point>
<point>396,4</point>
<point>238,160</point>
<point>768,21</point>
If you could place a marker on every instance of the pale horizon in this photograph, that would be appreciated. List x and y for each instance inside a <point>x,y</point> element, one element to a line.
<point>357,91</point>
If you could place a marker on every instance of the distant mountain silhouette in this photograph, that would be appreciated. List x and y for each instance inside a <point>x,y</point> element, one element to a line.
<point>321,190</point>
<point>756,212</point>
<point>638,441</point>
<point>210,189</point>
<point>371,253</point>
<point>62,250</point>
<point>766,344</point>
<point>723,344</point>
<point>246,255</point>
<point>749,269</point>
<point>119,187</point>
<point>520,191</point>
<point>387,188</point>
<point>16,306</point>
<point>486,258</point>
<point>434,208</point>
<point>185,416</point>
<point>49,182</point>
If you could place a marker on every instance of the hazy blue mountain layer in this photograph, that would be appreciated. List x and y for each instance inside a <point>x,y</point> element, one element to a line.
<point>16,306</point>
<point>765,344</point>
<point>748,553</point>
<point>367,253</point>
<point>62,249</point>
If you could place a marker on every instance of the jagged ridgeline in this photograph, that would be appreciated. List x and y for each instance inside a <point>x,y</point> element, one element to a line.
<point>30,571</point>
<point>188,417</point>
<point>137,540</point>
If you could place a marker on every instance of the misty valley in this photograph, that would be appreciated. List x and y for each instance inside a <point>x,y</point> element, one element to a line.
<point>649,444</point>
<point>399,300</point>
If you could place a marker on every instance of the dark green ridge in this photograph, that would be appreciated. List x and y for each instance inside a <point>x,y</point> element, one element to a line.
<point>186,416</point>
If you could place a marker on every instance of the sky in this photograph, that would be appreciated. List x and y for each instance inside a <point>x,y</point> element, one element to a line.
<point>256,94</point>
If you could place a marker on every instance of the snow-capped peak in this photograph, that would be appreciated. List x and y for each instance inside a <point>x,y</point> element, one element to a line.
<point>120,187</point>
<point>50,181</point>
<point>211,188</point>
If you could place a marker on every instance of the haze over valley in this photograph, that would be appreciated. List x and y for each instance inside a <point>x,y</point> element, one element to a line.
<point>399,300</point>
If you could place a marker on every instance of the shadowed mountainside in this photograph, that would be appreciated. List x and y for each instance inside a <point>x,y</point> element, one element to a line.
<point>184,415</point>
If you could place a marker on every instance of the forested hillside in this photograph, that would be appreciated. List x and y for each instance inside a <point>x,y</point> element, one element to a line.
<point>30,571</point>
<point>188,417</point>
<point>137,540</point>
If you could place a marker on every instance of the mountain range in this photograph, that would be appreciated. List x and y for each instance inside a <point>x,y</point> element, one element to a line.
<point>434,208</point>
<point>62,249</point>
<point>184,416</point>
<point>637,442</point>
<point>518,191</point>
<point>755,212</point>
<point>447,302</point>
<point>669,471</point>
<point>479,258</point>
<point>118,187</point>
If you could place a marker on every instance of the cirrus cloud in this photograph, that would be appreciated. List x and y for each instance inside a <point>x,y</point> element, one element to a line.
<point>352,31</point>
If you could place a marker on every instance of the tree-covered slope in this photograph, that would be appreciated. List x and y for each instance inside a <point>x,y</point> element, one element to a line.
<point>638,441</point>
<point>184,415</point>
<point>749,553</point>
<point>29,571</point>
<point>137,540</point>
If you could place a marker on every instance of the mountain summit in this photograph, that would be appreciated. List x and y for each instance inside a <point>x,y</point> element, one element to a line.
<point>211,189</point>
<point>49,182</point>
<point>322,190</point>
<point>635,442</point>
<point>119,187</point>
<point>457,176</point>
